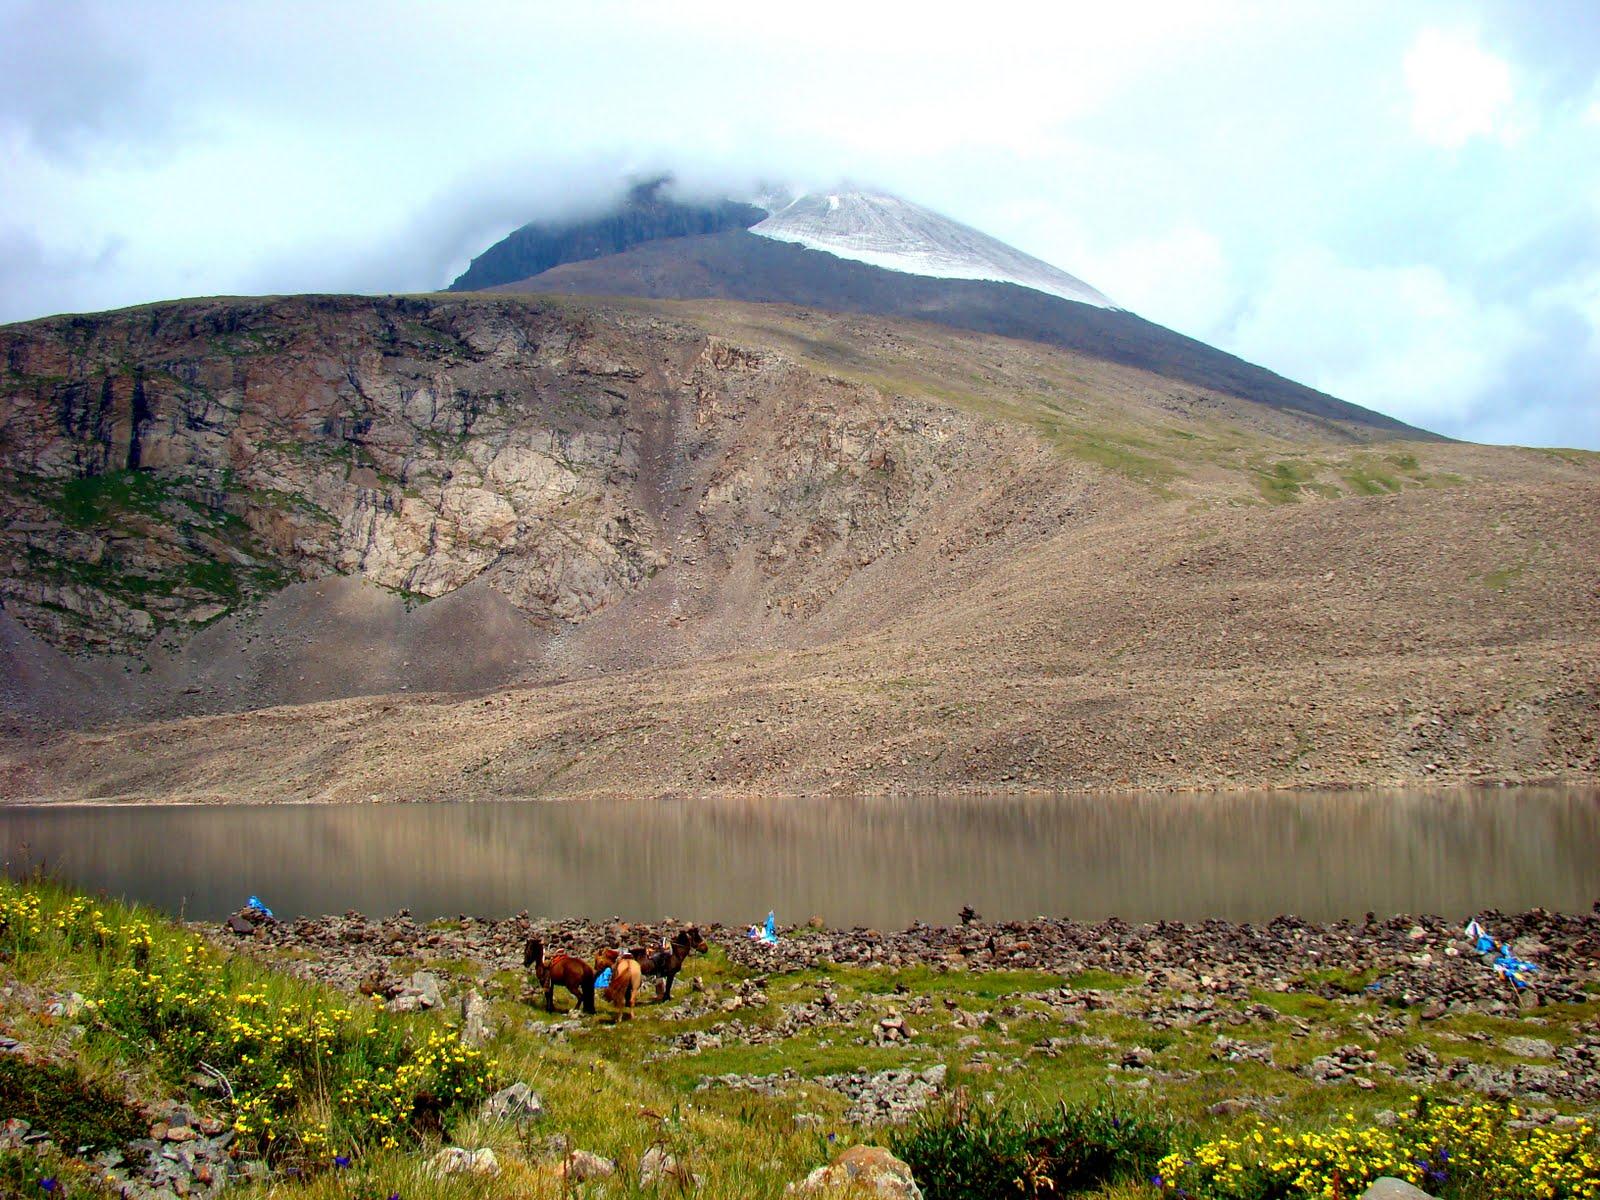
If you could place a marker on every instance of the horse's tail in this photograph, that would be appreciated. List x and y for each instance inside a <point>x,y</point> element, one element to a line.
<point>588,992</point>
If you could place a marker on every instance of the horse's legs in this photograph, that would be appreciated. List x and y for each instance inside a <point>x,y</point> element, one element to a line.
<point>550,996</point>
<point>588,995</point>
<point>667,994</point>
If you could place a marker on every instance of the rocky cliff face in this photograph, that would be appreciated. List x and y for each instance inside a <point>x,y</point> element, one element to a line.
<point>164,465</point>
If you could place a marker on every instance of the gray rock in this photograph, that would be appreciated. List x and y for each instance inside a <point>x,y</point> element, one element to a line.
<point>869,1169</point>
<point>475,1029</point>
<point>1529,1047</point>
<point>518,1102</point>
<point>67,1008</point>
<point>427,985</point>
<point>457,1160</point>
<point>1389,1188</point>
<point>584,1165</point>
<point>657,1165</point>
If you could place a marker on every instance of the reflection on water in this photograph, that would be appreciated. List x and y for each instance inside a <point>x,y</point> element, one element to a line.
<point>884,862</point>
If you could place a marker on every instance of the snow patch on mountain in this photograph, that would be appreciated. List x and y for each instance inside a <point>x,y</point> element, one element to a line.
<point>886,231</point>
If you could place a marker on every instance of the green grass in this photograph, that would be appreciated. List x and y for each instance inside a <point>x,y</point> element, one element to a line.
<point>1283,481</point>
<point>98,500</point>
<point>1500,580</point>
<point>77,1112</point>
<point>611,1087</point>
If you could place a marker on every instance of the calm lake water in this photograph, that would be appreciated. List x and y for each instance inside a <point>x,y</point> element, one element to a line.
<point>882,862</point>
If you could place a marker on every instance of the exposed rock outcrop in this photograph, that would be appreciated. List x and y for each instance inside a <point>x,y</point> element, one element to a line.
<point>166,464</point>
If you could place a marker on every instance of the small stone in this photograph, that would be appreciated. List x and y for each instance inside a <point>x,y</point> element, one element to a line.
<point>584,1165</point>
<point>657,1165</point>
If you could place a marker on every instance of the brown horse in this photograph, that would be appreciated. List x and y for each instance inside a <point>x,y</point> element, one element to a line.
<point>626,974</point>
<point>664,963</point>
<point>571,973</point>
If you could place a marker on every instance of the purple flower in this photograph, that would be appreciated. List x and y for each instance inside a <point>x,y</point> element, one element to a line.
<point>49,1184</point>
<point>1158,1181</point>
<point>394,1196</point>
<point>341,1160</point>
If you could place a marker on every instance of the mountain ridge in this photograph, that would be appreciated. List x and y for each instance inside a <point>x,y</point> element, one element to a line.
<point>738,265</point>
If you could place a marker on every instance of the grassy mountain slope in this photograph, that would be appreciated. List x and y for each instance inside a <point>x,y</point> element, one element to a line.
<point>874,553</point>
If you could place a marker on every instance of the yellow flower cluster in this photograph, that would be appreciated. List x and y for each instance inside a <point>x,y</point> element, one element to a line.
<point>305,1072</point>
<point>441,1071</point>
<point>81,923</point>
<point>1433,1143</point>
<point>21,919</point>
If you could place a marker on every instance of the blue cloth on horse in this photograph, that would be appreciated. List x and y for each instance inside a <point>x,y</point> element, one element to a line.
<point>602,979</point>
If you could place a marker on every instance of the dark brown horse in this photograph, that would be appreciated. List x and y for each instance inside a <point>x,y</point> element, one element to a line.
<point>663,963</point>
<point>571,973</point>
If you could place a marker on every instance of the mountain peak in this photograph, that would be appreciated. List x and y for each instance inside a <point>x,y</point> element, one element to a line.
<point>885,231</point>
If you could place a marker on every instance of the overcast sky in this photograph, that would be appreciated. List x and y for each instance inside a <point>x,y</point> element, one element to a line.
<point>1399,204</point>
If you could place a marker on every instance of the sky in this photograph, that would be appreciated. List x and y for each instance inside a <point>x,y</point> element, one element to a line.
<point>1397,204</point>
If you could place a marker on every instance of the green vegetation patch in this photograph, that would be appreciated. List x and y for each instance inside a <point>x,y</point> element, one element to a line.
<point>307,1074</point>
<point>1503,578</point>
<point>958,1154</point>
<point>97,500</point>
<point>76,1112</point>
<point>1283,481</point>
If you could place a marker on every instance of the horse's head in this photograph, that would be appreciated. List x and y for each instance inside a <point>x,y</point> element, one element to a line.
<point>532,953</point>
<point>606,958</point>
<point>691,939</point>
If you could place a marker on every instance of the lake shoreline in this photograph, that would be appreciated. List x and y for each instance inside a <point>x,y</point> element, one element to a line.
<point>1577,781</point>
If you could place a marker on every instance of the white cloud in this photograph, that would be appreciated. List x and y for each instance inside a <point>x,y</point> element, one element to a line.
<point>1180,278</point>
<point>1458,90</point>
<point>1401,339</point>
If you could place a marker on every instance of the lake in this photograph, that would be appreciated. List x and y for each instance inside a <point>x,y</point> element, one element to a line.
<point>882,862</point>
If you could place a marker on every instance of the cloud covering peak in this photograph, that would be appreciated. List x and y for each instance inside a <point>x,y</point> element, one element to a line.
<point>1398,205</point>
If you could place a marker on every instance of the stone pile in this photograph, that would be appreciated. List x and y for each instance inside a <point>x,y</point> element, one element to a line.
<point>1415,961</point>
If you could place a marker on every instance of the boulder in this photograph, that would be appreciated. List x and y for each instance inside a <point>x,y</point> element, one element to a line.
<point>428,993</point>
<point>863,1168</point>
<point>1529,1047</point>
<point>518,1102</point>
<point>1388,1187</point>
<point>474,1019</point>
<point>457,1160</point>
<point>584,1165</point>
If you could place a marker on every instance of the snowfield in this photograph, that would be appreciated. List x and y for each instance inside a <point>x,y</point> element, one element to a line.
<point>885,231</point>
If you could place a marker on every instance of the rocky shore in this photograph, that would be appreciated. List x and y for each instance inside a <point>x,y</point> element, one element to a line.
<point>1424,961</point>
<point>1412,986</point>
